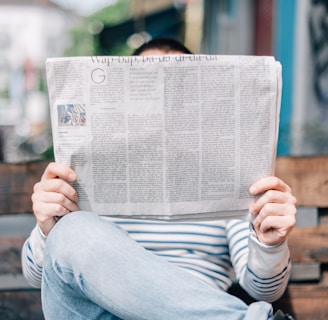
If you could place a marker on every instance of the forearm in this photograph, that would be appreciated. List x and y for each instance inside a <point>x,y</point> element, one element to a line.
<point>267,272</point>
<point>32,257</point>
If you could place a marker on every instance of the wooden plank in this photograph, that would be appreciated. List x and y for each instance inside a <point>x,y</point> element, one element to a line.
<point>305,301</point>
<point>10,250</point>
<point>13,282</point>
<point>307,217</point>
<point>11,277</point>
<point>16,225</point>
<point>309,244</point>
<point>308,178</point>
<point>304,272</point>
<point>302,301</point>
<point>16,185</point>
<point>21,305</point>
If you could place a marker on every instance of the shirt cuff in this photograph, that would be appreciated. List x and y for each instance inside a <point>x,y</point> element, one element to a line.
<point>267,261</point>
<point>37,242</point>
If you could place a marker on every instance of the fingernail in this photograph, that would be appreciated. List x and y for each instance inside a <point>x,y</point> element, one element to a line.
<point>253,189</point>
<point>72,176</point>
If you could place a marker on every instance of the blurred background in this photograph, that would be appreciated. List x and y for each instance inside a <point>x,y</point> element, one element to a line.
<point>295,32</point>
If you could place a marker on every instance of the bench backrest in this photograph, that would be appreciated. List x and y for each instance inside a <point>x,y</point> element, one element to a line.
<point>307,293</point>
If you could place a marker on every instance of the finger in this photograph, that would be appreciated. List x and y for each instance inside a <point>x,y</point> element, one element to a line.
<point>56,185</point>
<point>266,211</point>
<point>47,215</point>
<point>58,170</point>
<point>274,229</point>
<point>45,212</point>
<point>269,183</point>
<point>281,224</point>
<point>271,196</point>
<point>56,199</point>
<point>275,210</point>
<point>272,237</point>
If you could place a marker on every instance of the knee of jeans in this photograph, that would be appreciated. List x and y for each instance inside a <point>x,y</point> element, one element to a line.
<point>71,231</point>
<point>81,230</point>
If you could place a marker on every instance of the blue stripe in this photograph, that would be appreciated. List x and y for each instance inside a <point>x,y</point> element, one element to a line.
<point>216,245</point>
<point>175,224</point>
<point>266,289</point>
<point>224,279</point>
<point>177,233</point>
<point>240,250</point>
<point>271,284</point>
<point>30,259</point>
<point>271,278</point>
<point>183,259</point>
<point>235,243</point>
<point>29,247</point>
<point>237,232</point>
<point>204,269</point>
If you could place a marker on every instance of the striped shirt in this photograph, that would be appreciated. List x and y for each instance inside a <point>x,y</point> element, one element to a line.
<point>215,251</point>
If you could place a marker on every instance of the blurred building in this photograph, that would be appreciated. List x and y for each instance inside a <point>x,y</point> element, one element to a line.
<point>296,33</point>
<point>30,31</point>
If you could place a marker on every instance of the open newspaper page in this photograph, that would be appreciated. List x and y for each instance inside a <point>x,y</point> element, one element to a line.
<point>166,137</point>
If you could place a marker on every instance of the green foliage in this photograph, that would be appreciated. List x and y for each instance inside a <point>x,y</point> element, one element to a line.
<point>84,40</point>
<point>114,14</point>
<point>48,154</point>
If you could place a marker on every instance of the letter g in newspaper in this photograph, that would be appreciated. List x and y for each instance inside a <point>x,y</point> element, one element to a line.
<point>98,75</point>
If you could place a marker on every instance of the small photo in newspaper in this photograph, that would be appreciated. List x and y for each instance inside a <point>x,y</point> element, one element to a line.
<point>71,115</point>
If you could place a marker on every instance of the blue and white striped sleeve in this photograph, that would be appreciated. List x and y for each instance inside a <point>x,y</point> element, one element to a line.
<point>32,257</point>
<point>263,271</point>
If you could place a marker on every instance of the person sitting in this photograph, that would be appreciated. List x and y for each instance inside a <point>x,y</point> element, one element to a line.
<point>95,267</point>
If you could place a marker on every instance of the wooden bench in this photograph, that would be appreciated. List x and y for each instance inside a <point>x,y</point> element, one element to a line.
<point>18,299</point>
<point>306,296</point>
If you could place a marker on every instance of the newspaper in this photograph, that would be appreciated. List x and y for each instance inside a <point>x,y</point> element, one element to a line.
<point>166,137</point>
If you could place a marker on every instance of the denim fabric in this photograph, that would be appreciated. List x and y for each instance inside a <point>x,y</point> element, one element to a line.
<point>94,270</point>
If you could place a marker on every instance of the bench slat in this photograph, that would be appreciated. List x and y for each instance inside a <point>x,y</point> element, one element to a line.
<point>16,185</point>
<point>13,282</point>
<point>309,244</point>
<point>308,178</point>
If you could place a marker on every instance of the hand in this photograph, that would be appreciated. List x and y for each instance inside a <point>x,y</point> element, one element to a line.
<point>54,196</point>
<point>275,210</point>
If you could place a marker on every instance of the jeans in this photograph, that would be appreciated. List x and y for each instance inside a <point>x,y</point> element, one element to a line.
<point>94,270</point>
